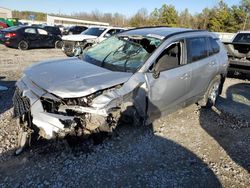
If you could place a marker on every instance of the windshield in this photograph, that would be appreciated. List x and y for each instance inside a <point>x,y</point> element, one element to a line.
<point>242,37</point>
<point>121,53</point>
<point>95,31</point>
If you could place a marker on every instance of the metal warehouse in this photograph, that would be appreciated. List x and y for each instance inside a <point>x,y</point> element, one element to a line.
<point>5,13</point>
<point>59,20</point>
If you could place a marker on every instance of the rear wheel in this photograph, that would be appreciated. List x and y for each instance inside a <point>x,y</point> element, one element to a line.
<point>58,44</point>
<point>212,92</point>
<point>23,45</point>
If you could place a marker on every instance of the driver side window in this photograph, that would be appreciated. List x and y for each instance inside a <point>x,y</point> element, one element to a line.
<point>170,58</point>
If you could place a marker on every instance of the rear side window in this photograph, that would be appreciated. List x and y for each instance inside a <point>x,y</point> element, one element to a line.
<point>114,31</point>
<point>30,30</point>
<point>242,37</point>
<point>196,49</point>
<point>54,30</point>
<point>42,32</point>
<point>95,31</point>
<point>214,47</point>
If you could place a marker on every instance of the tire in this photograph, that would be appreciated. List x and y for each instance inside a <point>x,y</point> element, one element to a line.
<point>22,137</point>
<point>69,54</point>
<point>212,92</point>
<point>23,45</point>
<point>58,44</point>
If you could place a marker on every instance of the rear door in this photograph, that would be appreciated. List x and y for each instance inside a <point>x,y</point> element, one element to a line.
<point>45,39</point>
<point>204,65</point>
<point>31,36</point>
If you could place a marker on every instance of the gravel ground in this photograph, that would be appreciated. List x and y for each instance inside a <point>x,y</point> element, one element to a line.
<point>192,147</point>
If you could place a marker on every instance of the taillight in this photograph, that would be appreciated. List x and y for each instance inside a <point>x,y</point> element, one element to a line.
<point>10,35</point>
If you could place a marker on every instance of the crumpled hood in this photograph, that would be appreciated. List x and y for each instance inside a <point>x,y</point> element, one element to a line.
<point>79,37</point>
<point>72,77</point>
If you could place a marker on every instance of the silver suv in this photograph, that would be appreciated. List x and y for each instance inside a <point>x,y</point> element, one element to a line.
<point>135,76</point>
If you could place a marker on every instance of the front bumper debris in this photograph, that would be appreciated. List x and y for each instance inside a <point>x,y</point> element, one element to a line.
<point>28,98</point>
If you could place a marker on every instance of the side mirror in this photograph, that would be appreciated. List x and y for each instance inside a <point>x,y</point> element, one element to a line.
<point>156,70</point>
<point>107,35</point>
<point>156,73</point>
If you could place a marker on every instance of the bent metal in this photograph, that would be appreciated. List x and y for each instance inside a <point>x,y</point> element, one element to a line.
<point>135,77</point>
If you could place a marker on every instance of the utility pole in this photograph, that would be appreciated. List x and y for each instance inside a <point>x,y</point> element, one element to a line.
<point>245,22</point>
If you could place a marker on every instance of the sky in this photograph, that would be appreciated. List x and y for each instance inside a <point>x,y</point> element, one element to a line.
<point>126,7</point>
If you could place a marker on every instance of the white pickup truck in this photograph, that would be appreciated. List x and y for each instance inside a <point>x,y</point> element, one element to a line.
<point>89,37</point>
<point>239,53</point>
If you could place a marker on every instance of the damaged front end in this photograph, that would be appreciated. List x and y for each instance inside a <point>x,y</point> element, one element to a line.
<point>50,116</point>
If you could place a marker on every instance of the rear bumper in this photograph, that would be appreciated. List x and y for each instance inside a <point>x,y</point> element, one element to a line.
<point>9,43</point>
<point>239,66</point>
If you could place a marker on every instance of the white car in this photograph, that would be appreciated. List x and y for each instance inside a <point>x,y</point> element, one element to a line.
<point>89,37</point>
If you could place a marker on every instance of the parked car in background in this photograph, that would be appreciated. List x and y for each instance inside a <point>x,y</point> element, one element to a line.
<point>53,30</point>
<point>61,27</point>
<point>26,37</point>
<point>135,76</point>
<point>89,37</point>
<point>239,53</point>
<point>3,25</point>
<point>74,30</point>
<point>10,21</point>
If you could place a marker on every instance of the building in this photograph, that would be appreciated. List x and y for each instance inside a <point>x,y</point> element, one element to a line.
<point>67,21</point>
<point>225,37</point>
<point>5,13</point>
<point>30,22</point>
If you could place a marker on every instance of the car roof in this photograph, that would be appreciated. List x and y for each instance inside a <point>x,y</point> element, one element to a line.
<point>105,27</point>
<point>49,26</point>
<point>158,32</point>
<point>244,31</point>
<point>78,26</point>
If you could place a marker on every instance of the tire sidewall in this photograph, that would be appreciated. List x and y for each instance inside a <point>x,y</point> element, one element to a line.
<point>69,54</point>
<point>24,42</point>
<point>209,102</point>
<point>58,44</point>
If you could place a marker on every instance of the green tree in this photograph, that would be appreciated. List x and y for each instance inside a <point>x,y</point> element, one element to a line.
<point>168,15</point>
<point>237,18</point>
<point>245,5</point>
<point>154,17</point>
<point>185,19</point>
<point>140,18</point>
<point>219,18</point>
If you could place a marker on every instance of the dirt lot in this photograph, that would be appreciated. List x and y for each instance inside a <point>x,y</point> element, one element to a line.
<point>190,148</point>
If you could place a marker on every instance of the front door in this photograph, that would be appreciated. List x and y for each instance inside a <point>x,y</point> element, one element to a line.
<point>31,36</point>
<point>45,40</point>
<point>168,91</point>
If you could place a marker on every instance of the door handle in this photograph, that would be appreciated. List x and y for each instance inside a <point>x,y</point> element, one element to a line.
<point>212,64</point>
<point>185,76</point>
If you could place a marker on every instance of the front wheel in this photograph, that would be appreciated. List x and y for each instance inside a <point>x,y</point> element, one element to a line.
<point>69,54</point>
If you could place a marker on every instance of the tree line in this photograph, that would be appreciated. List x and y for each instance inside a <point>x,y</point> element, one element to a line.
<point>220,18</point>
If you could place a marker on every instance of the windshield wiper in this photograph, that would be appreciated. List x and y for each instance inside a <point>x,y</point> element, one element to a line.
<point>129,56</point>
